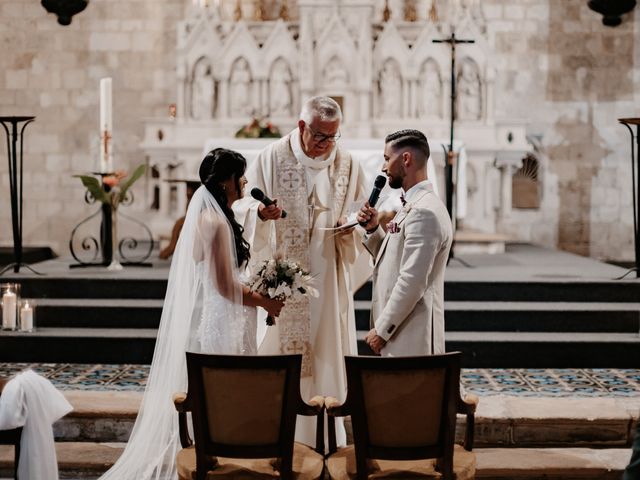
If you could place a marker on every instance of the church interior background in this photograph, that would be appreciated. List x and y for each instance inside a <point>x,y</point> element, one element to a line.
<point>550,339</point>
<point>539,95</point>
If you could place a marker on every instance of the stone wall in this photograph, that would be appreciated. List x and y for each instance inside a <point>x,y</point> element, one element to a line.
<point>556,65</point>
<point>572,78</point>
<point>53,72</point>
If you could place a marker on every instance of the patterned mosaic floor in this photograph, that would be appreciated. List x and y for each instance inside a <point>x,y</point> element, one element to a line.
<point>483,382</point>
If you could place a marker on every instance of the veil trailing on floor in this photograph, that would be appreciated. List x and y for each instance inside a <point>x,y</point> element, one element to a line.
<point>202,312</point>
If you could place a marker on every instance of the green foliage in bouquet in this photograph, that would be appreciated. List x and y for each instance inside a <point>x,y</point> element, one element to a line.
<point>258,129</point>
<point>116,185</point>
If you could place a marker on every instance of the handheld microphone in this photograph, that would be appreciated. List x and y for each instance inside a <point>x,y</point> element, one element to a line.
<point>378,185</point>
<point>266,201</point>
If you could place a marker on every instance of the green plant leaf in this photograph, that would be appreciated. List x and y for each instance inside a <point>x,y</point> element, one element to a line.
<point>92,184</point>
<point>137,173</point>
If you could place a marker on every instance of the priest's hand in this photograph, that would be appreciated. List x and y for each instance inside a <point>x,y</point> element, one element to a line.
<point>375,342</point>
<point>272,212</point>
<point>344,231</point>
<point>368,218</point>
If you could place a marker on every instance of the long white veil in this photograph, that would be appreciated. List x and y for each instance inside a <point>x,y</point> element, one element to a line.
<point>203,287</point>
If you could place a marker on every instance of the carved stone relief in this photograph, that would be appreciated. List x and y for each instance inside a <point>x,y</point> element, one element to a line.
<point>469,101</point>
<point>430,90</point>
<point>240,89</point>
<point>280,89</point>
<point>335,74</point>
<point>202,91</point>
<point>390,90</point>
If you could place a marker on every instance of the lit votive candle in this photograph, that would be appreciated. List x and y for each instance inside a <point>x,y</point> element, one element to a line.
<point>9,307</point>
<point>26,317</point>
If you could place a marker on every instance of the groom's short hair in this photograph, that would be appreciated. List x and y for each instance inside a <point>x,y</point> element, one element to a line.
<point>409,138</point>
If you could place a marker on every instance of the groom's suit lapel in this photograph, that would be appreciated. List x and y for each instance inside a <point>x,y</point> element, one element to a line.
<point>401,217</point>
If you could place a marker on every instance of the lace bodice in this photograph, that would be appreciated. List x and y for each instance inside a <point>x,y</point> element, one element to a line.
<point>218,330</point>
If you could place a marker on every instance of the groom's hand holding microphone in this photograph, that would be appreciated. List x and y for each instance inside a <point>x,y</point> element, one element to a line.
<point>368,216</point>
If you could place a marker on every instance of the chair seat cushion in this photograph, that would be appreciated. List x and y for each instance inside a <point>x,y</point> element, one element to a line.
<point>342,466</point>
<point>307,465</point>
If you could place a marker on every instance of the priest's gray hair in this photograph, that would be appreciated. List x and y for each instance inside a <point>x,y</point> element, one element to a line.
<point>325,109</point>
<point>409,138</point>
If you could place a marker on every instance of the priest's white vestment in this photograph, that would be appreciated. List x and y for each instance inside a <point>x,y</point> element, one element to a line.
<point>315,193</point>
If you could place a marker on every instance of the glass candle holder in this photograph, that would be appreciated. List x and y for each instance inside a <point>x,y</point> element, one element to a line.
<point>27,315</point>
<point>10,298</point>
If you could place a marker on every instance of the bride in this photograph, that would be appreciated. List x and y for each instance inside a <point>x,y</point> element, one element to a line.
<point>206,309</point>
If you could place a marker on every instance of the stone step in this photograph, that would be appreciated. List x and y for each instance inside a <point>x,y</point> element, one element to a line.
<point>551,463</point>
<point>545,349</point>
<point>460,316</point>
<point>151,284</point>
<point>78,460</point>
<point>515,437</point>
<point>618,317</point>
<point>501,421</point>
<point>483,349</point>
<point>79,345</point>
<point>99,313</point>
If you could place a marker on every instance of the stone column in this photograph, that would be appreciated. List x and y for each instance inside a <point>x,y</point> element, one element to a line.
<point>223,98</point>
<point>264,97</point>
<point>507,163</point>
<point>182,109</point>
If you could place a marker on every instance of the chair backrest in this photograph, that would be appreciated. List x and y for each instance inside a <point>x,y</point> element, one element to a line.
<point>403,408</point>
<point>244,406</point>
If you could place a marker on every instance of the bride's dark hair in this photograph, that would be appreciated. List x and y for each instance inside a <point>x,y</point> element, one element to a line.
<point>217,166</point>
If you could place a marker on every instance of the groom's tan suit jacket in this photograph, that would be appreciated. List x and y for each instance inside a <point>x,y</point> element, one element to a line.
<point>407,307</point>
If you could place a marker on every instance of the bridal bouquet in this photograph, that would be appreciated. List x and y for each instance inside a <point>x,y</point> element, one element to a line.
<point>281,279</point>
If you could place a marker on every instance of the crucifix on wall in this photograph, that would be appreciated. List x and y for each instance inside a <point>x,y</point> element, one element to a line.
<point>450,157</point>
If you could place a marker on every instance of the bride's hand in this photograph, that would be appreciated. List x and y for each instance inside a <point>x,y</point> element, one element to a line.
<point>273,306</point>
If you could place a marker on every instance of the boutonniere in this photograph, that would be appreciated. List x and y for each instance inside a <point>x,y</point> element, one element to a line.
<point>393,227</point>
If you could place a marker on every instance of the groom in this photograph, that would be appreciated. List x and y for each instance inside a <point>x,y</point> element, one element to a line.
<point>407,308</point>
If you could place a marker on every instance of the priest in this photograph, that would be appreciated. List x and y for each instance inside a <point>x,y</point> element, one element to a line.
<point>317,184</point>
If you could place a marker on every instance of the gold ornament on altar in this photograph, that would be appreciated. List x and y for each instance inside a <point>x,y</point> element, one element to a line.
<point>410,11</point>
<point>433,12</point>
<point>284,11</point>
<point>259,13</point>
<point>237,12</point>
<point>386,13</point>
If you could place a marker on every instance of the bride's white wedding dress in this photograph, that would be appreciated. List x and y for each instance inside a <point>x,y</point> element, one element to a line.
<point>202,312</point>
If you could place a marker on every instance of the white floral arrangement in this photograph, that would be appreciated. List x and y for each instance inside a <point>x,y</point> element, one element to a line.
<point>282,280</point>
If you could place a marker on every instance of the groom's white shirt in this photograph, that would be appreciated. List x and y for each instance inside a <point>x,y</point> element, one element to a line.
<point>407,308</point>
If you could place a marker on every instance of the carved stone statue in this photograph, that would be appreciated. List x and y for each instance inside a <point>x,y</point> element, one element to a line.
<point>430,90</point>
<point>202,91</point>
<point>240,98</point>
<point>334,73</point>
<point>280,100</point>
<point>469,101</point>
<point>390,86</point>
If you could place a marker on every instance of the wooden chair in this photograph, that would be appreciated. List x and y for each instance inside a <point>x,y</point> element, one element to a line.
<point>244,414</point>
<point>11,437</point>
<point>403,411</point>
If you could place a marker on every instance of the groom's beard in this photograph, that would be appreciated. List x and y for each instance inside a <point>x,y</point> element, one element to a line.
<point>395,182</point>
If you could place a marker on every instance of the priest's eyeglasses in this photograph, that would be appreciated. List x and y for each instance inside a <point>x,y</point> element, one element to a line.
<point>320,137</point>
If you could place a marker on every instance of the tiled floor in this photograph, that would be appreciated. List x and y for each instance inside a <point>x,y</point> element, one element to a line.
<point>484,382</point>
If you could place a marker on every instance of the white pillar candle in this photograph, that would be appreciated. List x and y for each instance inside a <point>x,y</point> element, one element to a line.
<point>26,318</point>
<point>9,302</point>
<point>106,125</point>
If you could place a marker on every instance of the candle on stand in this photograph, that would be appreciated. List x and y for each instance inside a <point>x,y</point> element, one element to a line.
<point>9,306</point>
<point>106,126</point>
<point>26,317</point>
